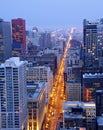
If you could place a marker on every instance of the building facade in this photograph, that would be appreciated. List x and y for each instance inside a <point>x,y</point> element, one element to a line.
<point>45,40</point>
<point>99,102</point>
<point>5,41</point>
<point>18,37</point>
<point>73,57</point>
<point>91,83</point>
<point>55,51</point>
<point>93,43</point>
<point>47,60</point>
<point>79,114</point>
<point>40,74</point>
<point>36,105</point>
<point>73,91</point>
<point>13,101</point>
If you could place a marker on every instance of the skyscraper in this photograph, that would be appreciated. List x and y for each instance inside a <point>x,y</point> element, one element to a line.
<point>45,40</point>
<point>5,40</point>
<point>91,83</point>
<point>79,114</point>
<point>13,101</point>
<point>93,43</point>
<point>36,105</point>
<point>18,36</point>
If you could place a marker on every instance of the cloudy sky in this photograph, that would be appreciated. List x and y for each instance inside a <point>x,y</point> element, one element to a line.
<point>51,13</point>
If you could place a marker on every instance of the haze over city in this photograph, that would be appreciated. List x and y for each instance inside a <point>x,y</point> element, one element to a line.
<point>52,13</point>
<point>51,65</point>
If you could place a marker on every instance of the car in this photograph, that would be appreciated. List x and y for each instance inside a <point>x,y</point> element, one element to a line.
<point>52,113</point>
<point>46,126</point>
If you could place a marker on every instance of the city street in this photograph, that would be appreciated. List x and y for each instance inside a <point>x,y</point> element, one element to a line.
<point>57,96</point>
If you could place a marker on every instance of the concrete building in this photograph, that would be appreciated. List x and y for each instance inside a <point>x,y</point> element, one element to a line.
<point>74,73</point>
<point>55,51</point>
<point>91,83</point>
<point>79,114</point>
<point>47,60</point>
<point>13,95</point>
<point>5,41</point>
<point>33,36</point>
<point>44,60</point>
<point>73,91</point>
<point>45,40</point>
<point>36,105</point>
<point>40,74</point>
<point>73,57</point>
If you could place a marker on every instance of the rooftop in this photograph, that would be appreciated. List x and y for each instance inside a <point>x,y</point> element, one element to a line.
<point>96,75</point>
<point>99,91</point>
<point>100,120</point>
<point>34,90</point>
<point>71,128</point>
<point>12,62</point>
<point>75,116</point>
<point>74,82</point>
<point>74,104</point>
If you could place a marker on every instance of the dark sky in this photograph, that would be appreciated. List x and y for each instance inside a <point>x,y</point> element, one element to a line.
<point>52,13</point>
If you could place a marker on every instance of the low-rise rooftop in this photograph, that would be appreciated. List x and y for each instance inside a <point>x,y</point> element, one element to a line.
<point>100,120</point>
<point>34,90</point>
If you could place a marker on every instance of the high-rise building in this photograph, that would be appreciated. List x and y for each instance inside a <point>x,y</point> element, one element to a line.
<point>40,74</point>
<point>5,41</point>
<point>36,105</point>
<point>91,83</point>
<point>93,43</point>
<point>18,36</point>
<point>33,36</point>
<point>45,40</point>
<point>79,114</point>
<point>13,96</point>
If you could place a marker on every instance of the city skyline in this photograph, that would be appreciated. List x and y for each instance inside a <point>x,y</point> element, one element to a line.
<point>52,14</point>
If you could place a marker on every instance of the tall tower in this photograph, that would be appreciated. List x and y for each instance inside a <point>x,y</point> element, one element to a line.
<point>5,41</point>
<point>13,101</point>
<point>93,43</point>
<point>18,36</point>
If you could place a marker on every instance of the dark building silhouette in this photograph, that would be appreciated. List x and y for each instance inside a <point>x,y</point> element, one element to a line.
<point>5,40</point>
<point>91,83</point>
<point>99,102</point>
